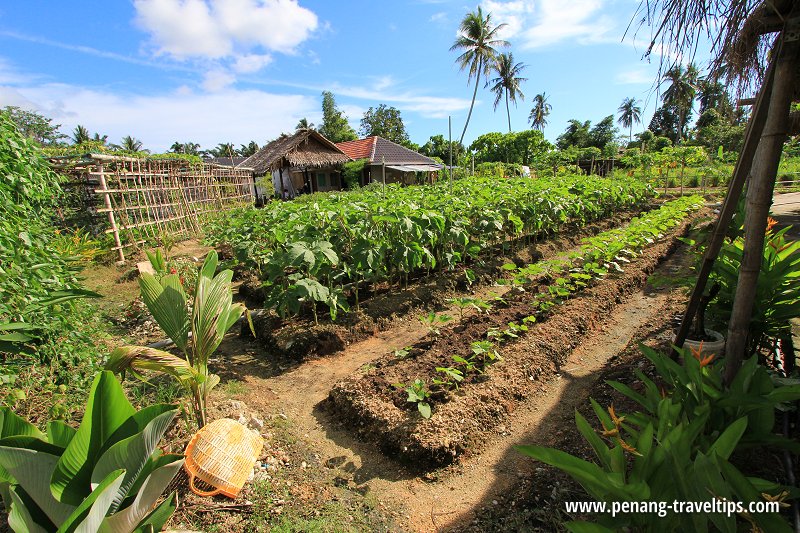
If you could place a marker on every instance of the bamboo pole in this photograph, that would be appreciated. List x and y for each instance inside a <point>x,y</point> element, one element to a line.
<point>759,199</point>
<point>111,220</point>
<point>752,135</point>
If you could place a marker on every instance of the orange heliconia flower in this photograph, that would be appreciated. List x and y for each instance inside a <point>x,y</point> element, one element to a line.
<point>609,433</point>
<point>617,420</point>
<point>770,223</point>
<point>628,448</point>
<point>698,354</point>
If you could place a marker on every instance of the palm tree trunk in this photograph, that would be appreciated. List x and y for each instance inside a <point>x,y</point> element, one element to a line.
<point>759,198</point>
<point>474,94</point>
<point>508,112</point>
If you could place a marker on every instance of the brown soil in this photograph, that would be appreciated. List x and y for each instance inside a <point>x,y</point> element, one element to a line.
<point>297,338</point>
<point>461,423</point>
<point>480,491</point>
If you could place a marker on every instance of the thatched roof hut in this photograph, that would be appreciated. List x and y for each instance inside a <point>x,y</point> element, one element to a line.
<point>305,149</point>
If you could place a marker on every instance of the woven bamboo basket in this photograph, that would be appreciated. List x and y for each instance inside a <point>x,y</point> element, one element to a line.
<point>222,455</point>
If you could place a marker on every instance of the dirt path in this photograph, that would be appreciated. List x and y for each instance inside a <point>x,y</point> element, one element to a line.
<point>448,498</point>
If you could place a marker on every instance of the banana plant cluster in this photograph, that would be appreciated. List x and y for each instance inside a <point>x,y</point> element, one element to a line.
<point>106,476</point>
<point>370,236</point>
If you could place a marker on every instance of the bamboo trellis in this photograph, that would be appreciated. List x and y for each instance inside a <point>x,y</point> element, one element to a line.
<point>147,201</point>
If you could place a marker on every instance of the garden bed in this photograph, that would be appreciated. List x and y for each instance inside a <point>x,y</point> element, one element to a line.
<point>298,337</point>
<point>462,419</point>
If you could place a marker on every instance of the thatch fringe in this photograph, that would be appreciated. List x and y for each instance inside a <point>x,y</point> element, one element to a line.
<point>739,31</point>
<point>306,148</point>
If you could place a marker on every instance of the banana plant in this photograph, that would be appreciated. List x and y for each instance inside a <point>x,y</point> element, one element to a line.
<point>197,331</point>
<point>106,476</point>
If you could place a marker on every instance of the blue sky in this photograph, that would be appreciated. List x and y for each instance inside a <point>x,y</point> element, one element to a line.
<point>211,71</point>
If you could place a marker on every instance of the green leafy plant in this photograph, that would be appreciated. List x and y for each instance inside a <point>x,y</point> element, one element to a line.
<point>777,299</point>
<point>433,321</point>
<point>676,450</point>
<point>418,393</point>
<point>463,303</point>
<point>697,387</point>
<point>106,476</point>
<point>389,235</point>
<point>485,353</point>
<point>402,353</point>
<point>196,332</point>
<point>451,377</point>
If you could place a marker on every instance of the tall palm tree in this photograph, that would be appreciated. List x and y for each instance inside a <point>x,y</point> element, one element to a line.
<point>131,144</point>
<point>247,150</point>
<point>185,148</point>
<point>477,40</point>
<point>507,83</point>
<point>681,92</point>
<point>541,109</point>
<point>80,134</point>
<point>304,124</point>
<point>629,113</point>
<point>224,150</point>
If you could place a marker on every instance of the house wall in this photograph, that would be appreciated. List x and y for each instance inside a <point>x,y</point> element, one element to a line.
<point>392,176</point>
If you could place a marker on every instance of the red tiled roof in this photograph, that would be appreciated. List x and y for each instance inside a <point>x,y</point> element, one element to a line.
<point>378,149</point>
<point>359,149</point>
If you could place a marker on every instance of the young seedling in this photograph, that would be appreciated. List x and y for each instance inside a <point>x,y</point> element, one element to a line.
<point>466,302</point>
<point>418,393</point>
<point>513,330</point>
<point>432,321</point>
<point>451,377</point>
<point>402,353</point>
<point>485,353</point>
<point>468,363</point>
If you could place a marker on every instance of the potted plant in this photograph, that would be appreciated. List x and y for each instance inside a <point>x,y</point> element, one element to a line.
<point>701,338</point>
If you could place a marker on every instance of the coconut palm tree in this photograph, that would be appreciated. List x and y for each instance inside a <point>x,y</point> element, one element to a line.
<point>249,149</point>
<point>131,144</point>
<point>681,92</point>
<point>304,124</point>
<point>185,148</point>
<point>80,135</point>
<point>224,150</point>
<point>541,109</point>
<point>507,83</point>
<point>478,41</point>
<point>629,113</point>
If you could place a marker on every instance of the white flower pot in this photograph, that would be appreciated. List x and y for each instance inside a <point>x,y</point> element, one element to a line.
<point>715,347</point>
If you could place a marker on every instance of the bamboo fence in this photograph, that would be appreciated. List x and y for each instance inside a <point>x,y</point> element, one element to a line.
<point>141,201</point>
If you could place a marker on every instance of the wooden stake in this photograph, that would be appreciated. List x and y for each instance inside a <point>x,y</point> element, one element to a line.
<point>759,199</point>
<point>752,135</point>
<point>111,220</point>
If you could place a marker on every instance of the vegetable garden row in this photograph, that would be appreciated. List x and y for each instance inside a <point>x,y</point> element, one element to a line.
<point>462,377</point>
<point>325,248</point>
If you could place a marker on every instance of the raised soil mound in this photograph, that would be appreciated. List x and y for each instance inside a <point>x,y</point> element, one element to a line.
<point>373,406</point>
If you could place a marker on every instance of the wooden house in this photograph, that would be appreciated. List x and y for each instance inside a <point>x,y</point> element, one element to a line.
<point>302,162</point>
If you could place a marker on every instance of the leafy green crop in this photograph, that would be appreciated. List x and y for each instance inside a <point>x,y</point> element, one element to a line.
<point>325,248</point>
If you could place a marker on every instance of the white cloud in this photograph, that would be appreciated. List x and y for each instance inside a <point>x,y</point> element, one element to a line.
<point>638,76</point>
<point>539,23</point>
<point>249,63</point>
<point>440,17</point>
<point>514,14</point>
<point>229,115</point>
<point>241,33</point>
<point>215,81</point>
